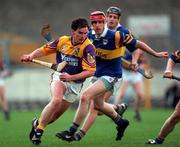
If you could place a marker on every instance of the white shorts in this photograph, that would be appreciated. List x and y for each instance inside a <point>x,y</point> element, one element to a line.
<point>132,77</point>
<point>110,80</point>
<point>72,89</point>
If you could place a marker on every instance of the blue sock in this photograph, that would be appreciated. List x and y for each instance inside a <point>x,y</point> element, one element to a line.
<point>73,128</point>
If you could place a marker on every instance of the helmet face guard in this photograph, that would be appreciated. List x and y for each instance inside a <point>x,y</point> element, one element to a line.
<point>114,10</point>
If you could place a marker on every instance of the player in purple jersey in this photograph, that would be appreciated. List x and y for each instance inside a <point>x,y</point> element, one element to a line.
<point>171,122</point>
<point>108,73</point>
<point>92,114</point>
<point>79,53</point>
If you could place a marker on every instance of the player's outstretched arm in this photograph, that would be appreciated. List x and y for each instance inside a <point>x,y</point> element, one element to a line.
<point>143,46</point>
<point>35,54</point>
<point>168,73</point>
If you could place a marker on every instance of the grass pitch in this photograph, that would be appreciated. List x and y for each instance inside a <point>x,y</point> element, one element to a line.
<point>15,132</point>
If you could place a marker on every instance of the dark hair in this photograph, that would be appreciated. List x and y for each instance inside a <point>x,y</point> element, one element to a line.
<point>114,10</point>
<point>79,23</point>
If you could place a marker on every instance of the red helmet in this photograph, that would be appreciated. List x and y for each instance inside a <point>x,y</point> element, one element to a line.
<point>97,16</point>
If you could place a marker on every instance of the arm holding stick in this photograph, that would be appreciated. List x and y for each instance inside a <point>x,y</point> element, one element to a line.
<point>57,67</point>
<point>146,73</point>
<point>173,59</point>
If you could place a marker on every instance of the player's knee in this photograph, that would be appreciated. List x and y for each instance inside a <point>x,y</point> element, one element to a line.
<point>175,118</point>
<point>85,97</point>
<point>56,102</point>
<point>140,95</point>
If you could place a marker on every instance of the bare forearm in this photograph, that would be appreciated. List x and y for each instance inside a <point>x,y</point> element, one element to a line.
<point>135,56</point>
<point>82,75</point>
<point>143,46</point>
<point>170,65</point>
<point>37,53</point>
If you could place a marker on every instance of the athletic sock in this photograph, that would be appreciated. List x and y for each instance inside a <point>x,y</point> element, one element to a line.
<point>159,140</point>
<point>40,127</point>
<point>79,135</point>
<point>73,128</point>
<point>7,115</point>
<point>118,120</point>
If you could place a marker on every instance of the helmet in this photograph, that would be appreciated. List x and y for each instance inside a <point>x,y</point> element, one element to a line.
<point>97,16</point>
<point>114,10</point>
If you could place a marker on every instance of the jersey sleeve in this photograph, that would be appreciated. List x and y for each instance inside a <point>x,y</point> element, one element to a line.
<point>88,61</point>
<point>128,40</point>
<point>50,47</point>
<point>175,56</point>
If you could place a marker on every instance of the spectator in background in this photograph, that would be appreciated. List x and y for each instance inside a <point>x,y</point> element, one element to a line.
<point>171,122</point>
<point>4,73</point>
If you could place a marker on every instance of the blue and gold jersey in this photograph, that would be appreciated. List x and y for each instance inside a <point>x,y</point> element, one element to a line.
<point>109,51</point>
<point>123,29</point>
<point>175,56</point>
<point>79,57</point>
<point>128,56</point>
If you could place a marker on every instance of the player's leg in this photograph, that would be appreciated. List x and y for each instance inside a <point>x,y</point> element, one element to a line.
<point>4,103</point>
<point>95,90</point>
<point>119,107</point>
<point>64,106</point>
<point>167,127</point>
<point>137,86</point>
<point>92,114</point>
<point>55,105</point>
<point>88,94</point>
<point>170,123</point>
<point>109,110</point>
<point>89,121</point>
<point>122,91</point>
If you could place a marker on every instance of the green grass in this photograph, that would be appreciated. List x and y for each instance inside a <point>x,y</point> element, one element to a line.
<point>15,132</point>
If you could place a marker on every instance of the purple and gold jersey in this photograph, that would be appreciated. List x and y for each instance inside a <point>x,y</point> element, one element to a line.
<point>79,57</point>
<point>109,51</point>
<point>176,56</point>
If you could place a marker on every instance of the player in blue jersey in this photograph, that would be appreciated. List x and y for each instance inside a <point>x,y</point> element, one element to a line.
<point>79,54</point>
<point>129,77</point>
<point>108,73</point>
<point>171,122</point>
